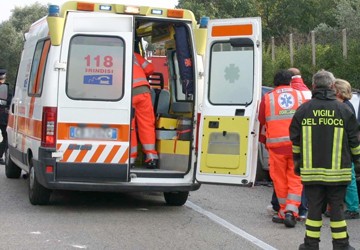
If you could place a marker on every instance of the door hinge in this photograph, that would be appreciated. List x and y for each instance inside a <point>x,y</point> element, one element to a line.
<point>201,74</point>
<point>60,66</point>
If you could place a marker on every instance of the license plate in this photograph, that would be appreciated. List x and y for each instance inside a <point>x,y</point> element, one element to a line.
<point>93,133</point>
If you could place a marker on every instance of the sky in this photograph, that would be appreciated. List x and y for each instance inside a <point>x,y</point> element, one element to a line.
<point>8,5</point>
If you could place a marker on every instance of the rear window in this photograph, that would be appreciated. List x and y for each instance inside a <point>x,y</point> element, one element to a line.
<point>95,68</point>
<point>231,73</point>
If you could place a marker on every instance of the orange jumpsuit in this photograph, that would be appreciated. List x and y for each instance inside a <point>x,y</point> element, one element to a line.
<point>276,111</point>
<point>144,118</point>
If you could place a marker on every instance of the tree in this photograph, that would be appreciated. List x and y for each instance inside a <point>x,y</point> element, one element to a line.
<point>279,17</point>
<point>348,16</point>
<point>219,8</point>
<point>12,36</point>
<point>23,17</point>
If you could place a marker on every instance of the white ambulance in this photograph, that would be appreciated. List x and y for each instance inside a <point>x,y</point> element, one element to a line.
<point>69,120</point>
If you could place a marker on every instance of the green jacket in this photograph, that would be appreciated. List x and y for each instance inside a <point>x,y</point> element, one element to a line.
<point>324,133</point>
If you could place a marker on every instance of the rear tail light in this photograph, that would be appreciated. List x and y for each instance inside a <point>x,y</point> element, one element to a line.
<point>48,130</point>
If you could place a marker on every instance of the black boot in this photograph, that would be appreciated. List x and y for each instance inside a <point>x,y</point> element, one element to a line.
<point>342,244</point>
<point>289,220</point>
<point>310,244</point>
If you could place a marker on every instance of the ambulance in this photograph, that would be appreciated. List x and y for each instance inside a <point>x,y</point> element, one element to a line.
<point>70,118</point>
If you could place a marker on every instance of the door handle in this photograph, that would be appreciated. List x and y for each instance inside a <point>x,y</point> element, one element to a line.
<point>239,112</point>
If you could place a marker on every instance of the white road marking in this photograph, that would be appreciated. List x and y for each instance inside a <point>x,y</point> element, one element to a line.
<point>37,232</point>
<point>230,226</point>
<point>79,246</point>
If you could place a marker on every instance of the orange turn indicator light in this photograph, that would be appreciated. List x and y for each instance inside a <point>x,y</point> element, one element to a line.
<point>86,6</point>
<point>232,30</point>
<point>175,13</point>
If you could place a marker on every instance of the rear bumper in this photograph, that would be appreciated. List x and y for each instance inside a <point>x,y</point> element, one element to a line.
<point>120,187</point>
<point>102,177</point>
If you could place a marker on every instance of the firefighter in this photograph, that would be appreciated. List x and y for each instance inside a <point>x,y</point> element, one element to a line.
<point>276,110</point>
<point>324,136</point>
<point>144,118</point>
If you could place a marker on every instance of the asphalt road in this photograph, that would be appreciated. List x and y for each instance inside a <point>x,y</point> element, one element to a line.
<point>215,217</point>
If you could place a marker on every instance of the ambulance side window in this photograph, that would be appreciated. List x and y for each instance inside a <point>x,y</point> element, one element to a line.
<point>231,73</point>
<point>95,68</point>
<point>38,68</point>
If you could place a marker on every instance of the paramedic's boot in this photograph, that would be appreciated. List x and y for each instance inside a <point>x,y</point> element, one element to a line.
<point>289,220</point>
<point>152,164</point>
<point>342,244</point>
<point>277,219</point>
<point>310,244</point>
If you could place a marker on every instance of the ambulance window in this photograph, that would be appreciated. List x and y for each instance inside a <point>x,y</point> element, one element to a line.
<point>38,68</point>
<point>231,73</point>
<point>96,68</point>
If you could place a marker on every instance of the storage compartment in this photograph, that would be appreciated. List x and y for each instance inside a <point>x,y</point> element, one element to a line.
<point>166,122</point>
<point>162,134</point>
<point>173,154</point>
<point>184,127</point>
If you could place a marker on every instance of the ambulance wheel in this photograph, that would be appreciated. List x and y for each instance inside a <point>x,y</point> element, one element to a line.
<point>38,195</point>
<point>176,198</point>
<point>11,170</point>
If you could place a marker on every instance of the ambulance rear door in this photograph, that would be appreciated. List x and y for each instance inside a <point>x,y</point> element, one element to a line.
<point>228,131</point>
<point>94,102</point>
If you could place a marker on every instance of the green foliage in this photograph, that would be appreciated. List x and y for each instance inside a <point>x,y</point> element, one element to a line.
<point>219,8</point>
<point>328,57</point>
<point>12,36</point>
<point>23,17</point>
<point>10,50</point>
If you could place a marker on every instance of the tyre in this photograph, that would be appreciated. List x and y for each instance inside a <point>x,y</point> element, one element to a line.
<point>38,194</point>
<point>11,170</point>
<point>176,198</point>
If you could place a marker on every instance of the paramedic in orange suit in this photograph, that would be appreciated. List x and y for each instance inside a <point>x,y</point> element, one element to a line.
<point>276,111</point>
<point>144,118</point>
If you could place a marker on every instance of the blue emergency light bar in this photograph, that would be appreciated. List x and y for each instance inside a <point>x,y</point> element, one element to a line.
<point>54,10</point>
<point>204,21</point>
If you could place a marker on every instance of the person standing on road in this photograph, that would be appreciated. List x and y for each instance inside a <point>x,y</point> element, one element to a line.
<point>276,110</point>
<point>344,94</point>
<point>4,114</point>
<point>324,133</point>
<point>298,84</point>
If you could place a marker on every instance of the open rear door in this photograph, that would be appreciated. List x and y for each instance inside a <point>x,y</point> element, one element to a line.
<point>228,132</point>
